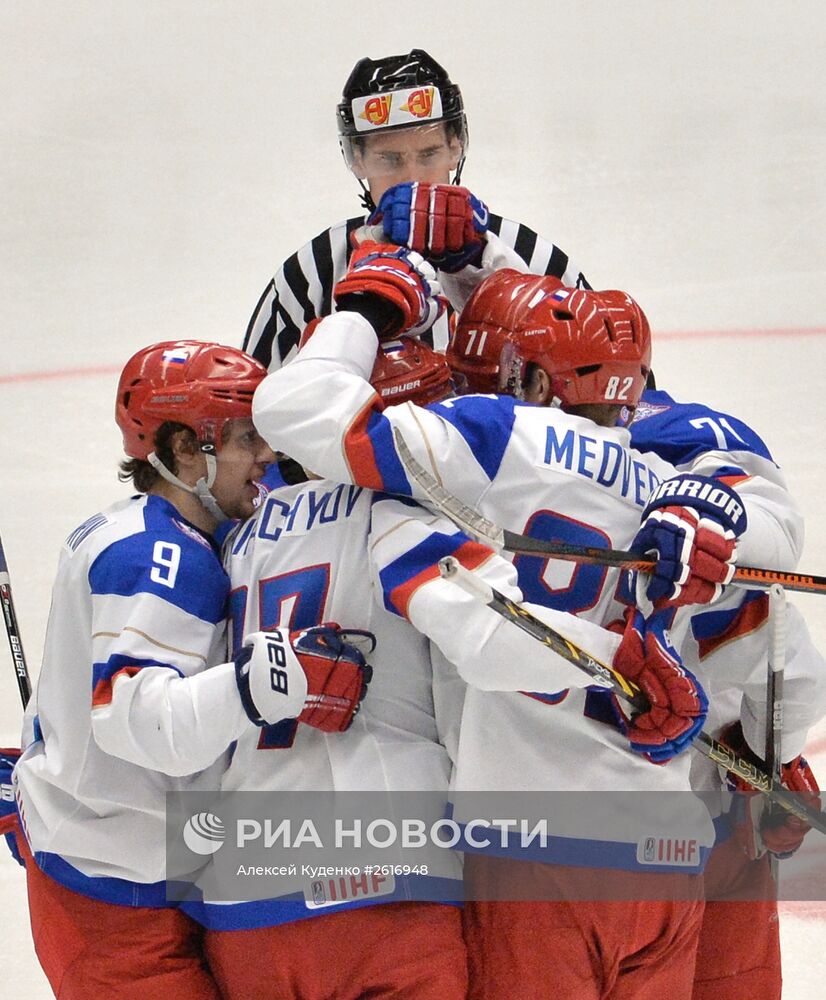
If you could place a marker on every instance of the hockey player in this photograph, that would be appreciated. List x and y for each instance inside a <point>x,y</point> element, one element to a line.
<point>549,470</point>
<point>301,560</point>
<point>401,122</point>
<point>125,709</point>
<point>739,952</point>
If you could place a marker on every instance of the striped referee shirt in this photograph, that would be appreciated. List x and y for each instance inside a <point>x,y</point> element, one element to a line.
<point>302,288</point>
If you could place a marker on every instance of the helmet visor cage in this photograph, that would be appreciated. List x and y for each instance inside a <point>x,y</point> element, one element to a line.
<point>434,147</point>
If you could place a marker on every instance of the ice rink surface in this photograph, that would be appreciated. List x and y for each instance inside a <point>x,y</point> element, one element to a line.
<point>162,157</point>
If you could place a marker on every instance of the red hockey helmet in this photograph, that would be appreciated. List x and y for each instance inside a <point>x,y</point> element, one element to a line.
<point>595,346</point>
<point>407,370</point>
<point>190,382</point>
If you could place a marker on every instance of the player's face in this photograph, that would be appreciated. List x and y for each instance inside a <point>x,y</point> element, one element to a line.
<point>242,459</point>
<point>426,154</point>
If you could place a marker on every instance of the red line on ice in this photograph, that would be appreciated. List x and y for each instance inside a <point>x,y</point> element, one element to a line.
<point>791,331</point>
<point>42,376</point>
<point>813,331</point>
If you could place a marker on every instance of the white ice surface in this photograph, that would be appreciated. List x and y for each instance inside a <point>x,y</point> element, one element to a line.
<point>161,158</point>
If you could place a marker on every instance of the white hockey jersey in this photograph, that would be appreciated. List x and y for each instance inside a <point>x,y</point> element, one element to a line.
<point>541,472</point>
<point>728,644</point>
<point>300,561</point>
<point>126,710</point>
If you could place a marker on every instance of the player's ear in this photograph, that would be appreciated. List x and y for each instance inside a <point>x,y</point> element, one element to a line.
<point>537,388</point>
<point>184,448</point>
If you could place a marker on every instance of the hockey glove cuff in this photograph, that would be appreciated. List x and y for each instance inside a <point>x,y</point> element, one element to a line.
<point>317,675</point>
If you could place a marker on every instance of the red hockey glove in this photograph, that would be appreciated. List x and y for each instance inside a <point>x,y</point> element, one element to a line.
<point>756,825</point>
<point>391,276</point>
<point>317,675</point>
<point>691,524</point>
<point>446,224</point>
<point>678,704</point>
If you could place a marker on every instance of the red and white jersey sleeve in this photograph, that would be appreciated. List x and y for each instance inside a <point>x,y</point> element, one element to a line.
<point>489,653</point>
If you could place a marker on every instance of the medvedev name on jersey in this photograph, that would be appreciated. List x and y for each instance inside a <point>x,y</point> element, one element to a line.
<point>604,462</point>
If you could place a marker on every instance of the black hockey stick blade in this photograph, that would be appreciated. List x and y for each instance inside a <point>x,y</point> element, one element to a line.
<point>477,526</point>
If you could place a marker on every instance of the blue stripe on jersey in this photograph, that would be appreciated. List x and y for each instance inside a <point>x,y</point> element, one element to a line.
<point>116,662</point>
<point>394,478</point>
<point>291,907</point>
<point>679,432</point>
<point>169,563</point>
<point>110,890</point>
<point>399,577</point>
<point>592,852</point>
<point>709,625</point>
<point>485,422</point>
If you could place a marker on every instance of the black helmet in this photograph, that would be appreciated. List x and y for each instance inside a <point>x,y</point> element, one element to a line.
<point>395,92</point>
<point>406,72</point>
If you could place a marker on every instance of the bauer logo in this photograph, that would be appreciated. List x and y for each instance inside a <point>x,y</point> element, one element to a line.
<point>204,833</point>
<point>420,103</point>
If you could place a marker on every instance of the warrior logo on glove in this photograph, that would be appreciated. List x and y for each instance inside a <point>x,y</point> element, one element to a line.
<point>691,524</point>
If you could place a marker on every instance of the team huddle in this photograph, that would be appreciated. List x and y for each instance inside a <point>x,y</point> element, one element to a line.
<point>270,612</point>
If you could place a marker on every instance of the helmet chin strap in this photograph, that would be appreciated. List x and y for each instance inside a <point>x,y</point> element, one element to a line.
<point>201,489</point>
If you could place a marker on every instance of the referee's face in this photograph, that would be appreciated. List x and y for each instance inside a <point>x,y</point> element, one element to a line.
<point>426,154</point>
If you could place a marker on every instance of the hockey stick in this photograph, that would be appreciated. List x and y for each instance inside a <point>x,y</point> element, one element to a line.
<point>13,631</point>
<point>774,695</point>
<point>624,689</point>
<point>479,527</point>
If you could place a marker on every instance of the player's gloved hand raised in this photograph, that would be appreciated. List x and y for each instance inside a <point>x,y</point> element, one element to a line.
<point>691,525</point>
<point>317,675</point>
<point>8,810</point>
<point>678,704</point>
<point>757,826</point>
<point>446,224</point>
<point>392,287</point>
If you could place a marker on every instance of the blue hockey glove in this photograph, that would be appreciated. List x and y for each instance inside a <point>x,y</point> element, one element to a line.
<point>446,224</point>
<point>691,524</point>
